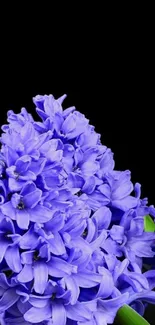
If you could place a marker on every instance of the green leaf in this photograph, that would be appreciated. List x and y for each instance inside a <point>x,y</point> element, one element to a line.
<point>149,224</point>
<point>128,316</point>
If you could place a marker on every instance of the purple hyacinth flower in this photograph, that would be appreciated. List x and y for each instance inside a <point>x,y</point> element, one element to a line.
<point>66,219</point>
<point>54,307</point>
<point>129,239</point>
<point>120,190</point>
<point>17,121</point>
<point>9,245</point>
<point>138,300</point>
<point>48,106</point>
<point>38,269</point>
<point>23,170</point>
<point>25,207</point>
<point>9,292</point>
<point>88,138</point>
<point>138,242</point>
<point>33,269</point>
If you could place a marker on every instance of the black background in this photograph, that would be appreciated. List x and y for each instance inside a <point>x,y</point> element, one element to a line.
<point>109,78</point>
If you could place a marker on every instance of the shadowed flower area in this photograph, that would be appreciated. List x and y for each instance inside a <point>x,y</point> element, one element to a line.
<point>72,239</point>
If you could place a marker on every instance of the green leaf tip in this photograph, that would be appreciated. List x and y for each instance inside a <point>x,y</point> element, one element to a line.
<point>128,316</point>
<point>149,224</point>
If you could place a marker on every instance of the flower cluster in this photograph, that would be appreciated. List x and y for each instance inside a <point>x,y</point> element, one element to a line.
<point>72,239</point>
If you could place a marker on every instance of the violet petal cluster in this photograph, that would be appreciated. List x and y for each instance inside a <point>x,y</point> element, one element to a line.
<point>72,239</point>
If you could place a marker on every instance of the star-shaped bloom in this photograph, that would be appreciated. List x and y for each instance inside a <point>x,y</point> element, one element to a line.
<point>25,207</point>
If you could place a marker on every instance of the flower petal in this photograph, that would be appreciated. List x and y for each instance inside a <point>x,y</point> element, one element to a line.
<point>8,210</point>
<point>75,181</point>
<point>117,233</point>
<point>141,248</point>
<point>117,302</point>
<point>29,187</point>
<point>58,265</point>
<point>78,312</point>
<point>29,240</point>
<point>102,217</point>
<point>22,217</point>
<point>26,275</point>
<point>120,268</point>
<point>14,185</point>
<point>123,186</point>
<point>71,285</point>
<point>12,258</point>
<point>57,246</point>
<point>31,200</point>
<point>107,284</point>
<point>138,306</point>
<point>27,176</point>
<point>40,214</point>
<point>40,276</point>
<point>145,295</point>
<point>22,164</point>
<point>99,241</point>
<point>37,315</point>
<point>4,281</point>
<point>37,166</point>
<point>27,257</point>
<point>126,203</point>
<point>7,225</point>
<point>3,246</point>
<point>89,185</point>
<point>38,301</point>
<point>87,279</point>
<point>8,299</point>
<point>58,314</point>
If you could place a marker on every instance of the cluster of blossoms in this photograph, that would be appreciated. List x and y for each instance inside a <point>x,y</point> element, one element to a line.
<point>72,239</point>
